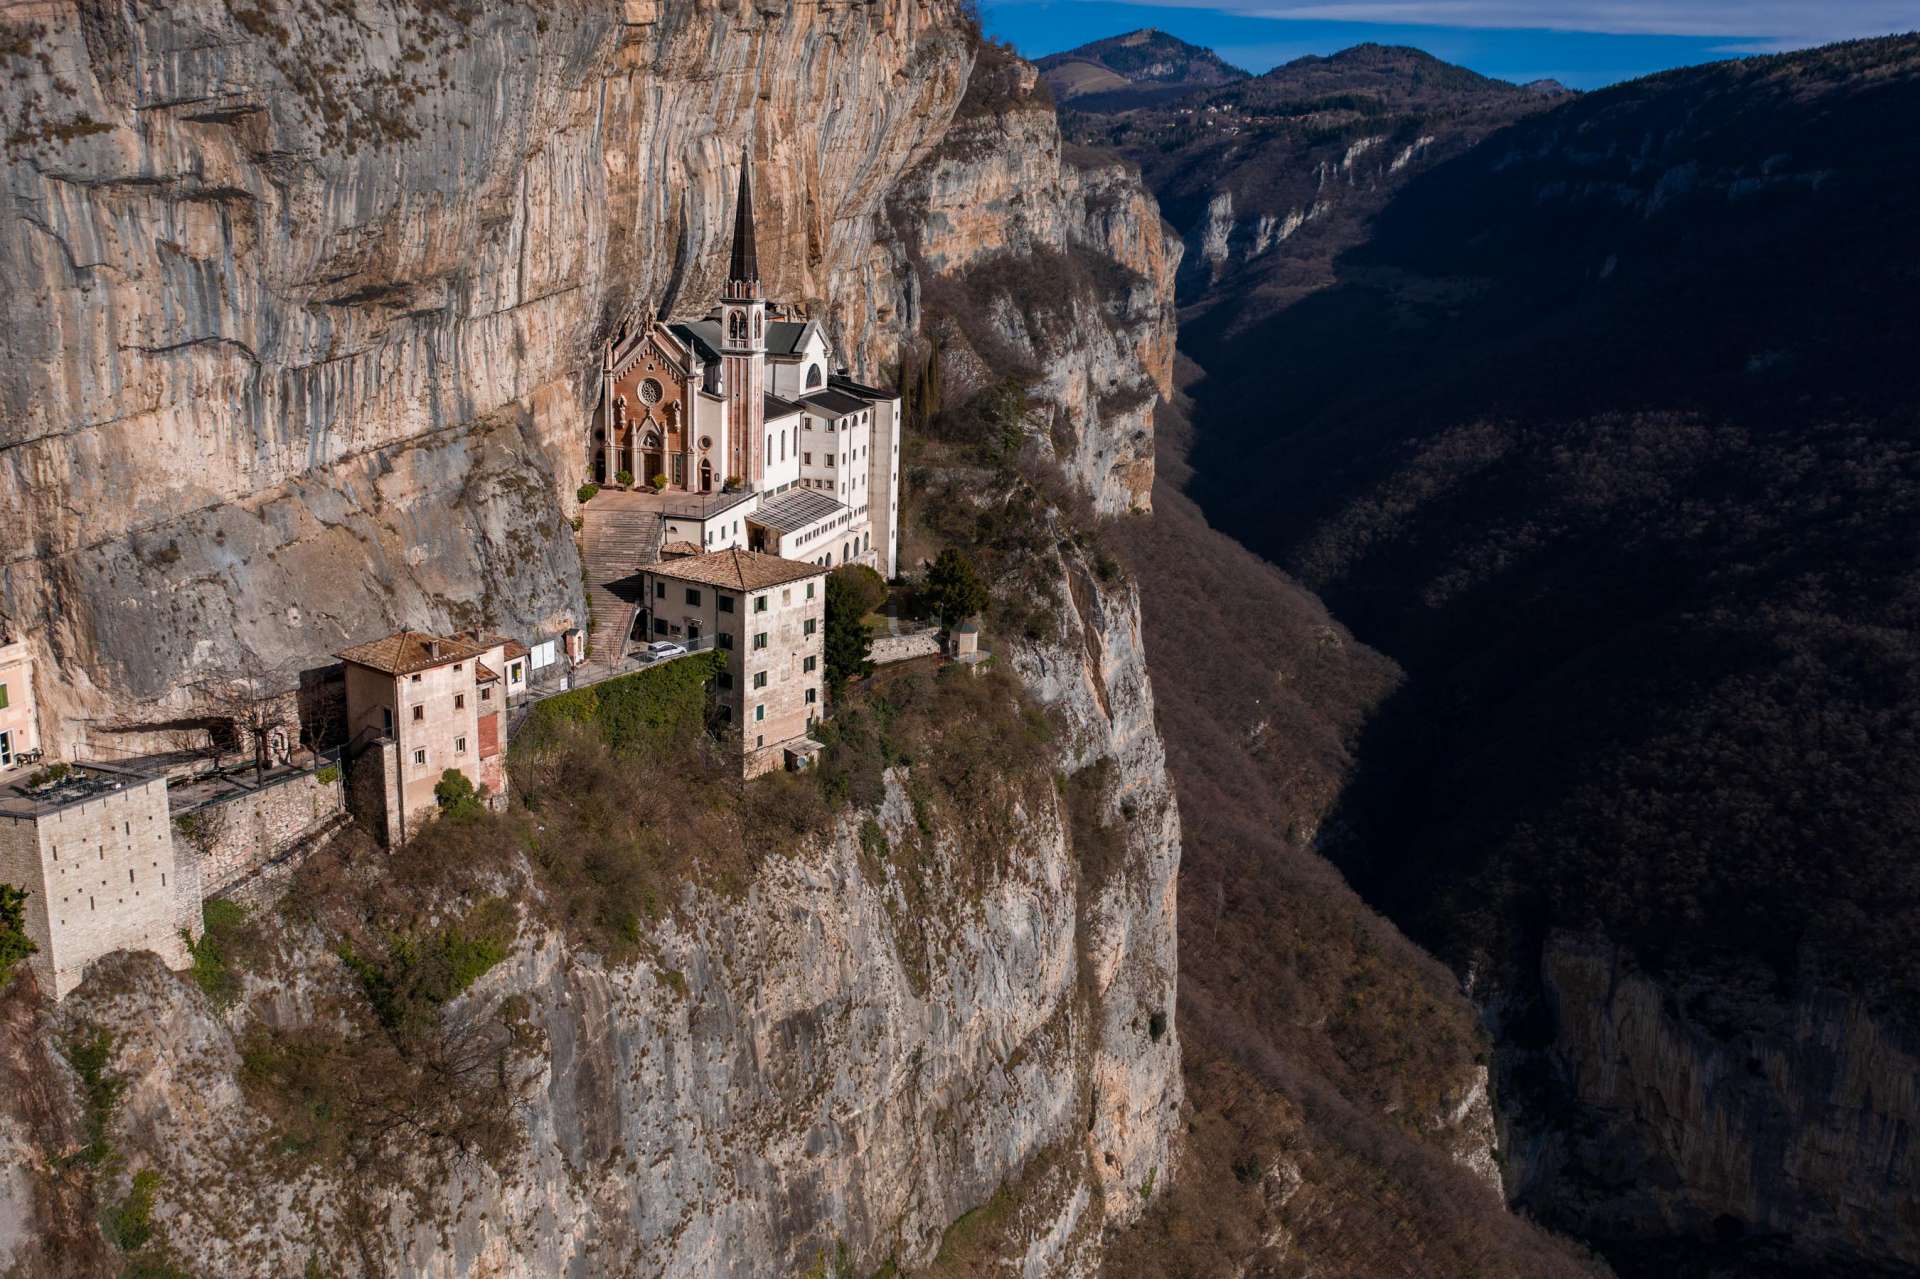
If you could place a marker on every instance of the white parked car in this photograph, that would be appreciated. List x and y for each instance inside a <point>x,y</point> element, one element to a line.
<point>661,650</point>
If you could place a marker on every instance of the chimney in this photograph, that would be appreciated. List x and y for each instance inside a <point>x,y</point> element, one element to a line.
<point>433,648</point>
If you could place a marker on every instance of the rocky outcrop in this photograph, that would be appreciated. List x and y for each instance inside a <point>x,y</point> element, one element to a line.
<point>1696,1121</point>
<point>292,294</point>
<point>1003,194</point>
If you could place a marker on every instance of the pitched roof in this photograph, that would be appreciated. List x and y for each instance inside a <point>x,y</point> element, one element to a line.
<point>516,649</point>
<point>483,673</point>
<point>405,652</point>
<point>679,548</point>
<point>796,509</point>
<point>841,382</point>
<point>778,407</point>
<point>702,335</point>
<point>834,403</point>
<point>786,337</point>
<point>746,257</point>
<point>736,569</point>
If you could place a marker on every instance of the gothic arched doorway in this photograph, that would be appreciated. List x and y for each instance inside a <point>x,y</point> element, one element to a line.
<point>654,462</point>
<point>706,476</point>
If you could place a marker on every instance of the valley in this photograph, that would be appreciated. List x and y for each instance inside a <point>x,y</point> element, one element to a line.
<point>1591,414</point>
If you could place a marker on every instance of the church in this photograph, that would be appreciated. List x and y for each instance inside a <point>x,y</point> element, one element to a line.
<point>746,430</point>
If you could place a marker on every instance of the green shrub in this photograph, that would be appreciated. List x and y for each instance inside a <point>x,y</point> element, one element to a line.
<point>623,478</point>
<point>15,945</point>
<point>649,709</point>
<point>660,481</point>
<point>328,775</point>
<point>100,1092</point>
<point>418,973</point>
<point>129,1224</point>
<point>459,799</point>
<point>586,492</point>
<point>224,923</point>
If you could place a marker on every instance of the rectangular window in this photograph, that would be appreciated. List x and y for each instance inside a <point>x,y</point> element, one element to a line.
<point>460,744</point>
<point>459,701</point>
<point>724,603</point>
<point>759,603</point>
<point>806,627</point>
<point>760,641</point>
<point>659,590</point>
<point>486,694</point>
<point>513,672</point>
<point>416,679</point>
<point>386,718</point>
<point>456,668</point>
<point>693,598</point>
<point>724,639</point>
<point>809,590</point>
<point>724,679</point>
<point>806,459</point>
<point>726,714</point>
<point>813,695</point>
<point>759,712</point>
<point>419,757</point>
<point>419,713</point>
<point>3,697</point>
<point>6,750</point>
<point>786,598</point>
<point>659,626</point>
<point>759,679</point>
<point>809,664</point>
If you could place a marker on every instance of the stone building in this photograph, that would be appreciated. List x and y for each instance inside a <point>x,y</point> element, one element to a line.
<point>19,725</point>
<point>768,615</point>
<point>424,704</point>
<point>93,847</point>
<point>744,409</point>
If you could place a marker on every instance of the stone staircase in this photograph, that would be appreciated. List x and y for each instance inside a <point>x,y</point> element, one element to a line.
<point>619,535</point>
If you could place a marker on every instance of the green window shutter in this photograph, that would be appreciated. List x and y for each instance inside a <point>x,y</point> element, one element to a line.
<point>3,697</point>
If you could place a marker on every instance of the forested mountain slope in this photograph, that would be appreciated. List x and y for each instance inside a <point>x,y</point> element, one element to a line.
<point>1607,433</point>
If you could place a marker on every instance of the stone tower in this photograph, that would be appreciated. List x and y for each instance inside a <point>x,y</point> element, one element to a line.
<point>743,336</point>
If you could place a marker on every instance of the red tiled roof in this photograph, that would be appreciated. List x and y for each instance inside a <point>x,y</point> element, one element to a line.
<point>737,569</point>
<point>405,652</point>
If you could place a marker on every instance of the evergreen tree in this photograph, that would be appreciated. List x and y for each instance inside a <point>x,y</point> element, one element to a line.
<point>953,588</point>
<point>846,642</point>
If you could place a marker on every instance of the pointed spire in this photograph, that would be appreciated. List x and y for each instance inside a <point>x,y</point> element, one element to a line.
<point>745,270</point>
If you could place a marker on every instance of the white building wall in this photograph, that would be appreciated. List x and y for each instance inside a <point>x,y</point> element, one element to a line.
<point>783,445</point>
<point>883,493</point>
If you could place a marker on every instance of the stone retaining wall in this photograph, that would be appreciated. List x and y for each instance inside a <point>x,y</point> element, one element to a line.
<point>235,837</point>
<point>900,648</point>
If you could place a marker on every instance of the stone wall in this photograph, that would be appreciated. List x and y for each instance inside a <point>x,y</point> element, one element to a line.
<point>899,648</point>
<point>232,838</point>
<point>103,874</point>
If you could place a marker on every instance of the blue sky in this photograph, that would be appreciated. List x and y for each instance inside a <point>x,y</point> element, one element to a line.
<point>1582,43</point>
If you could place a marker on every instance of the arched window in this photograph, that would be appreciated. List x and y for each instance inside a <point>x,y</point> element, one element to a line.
<point>756,323</point>
<point>813,376</point>
<point>736,326</point>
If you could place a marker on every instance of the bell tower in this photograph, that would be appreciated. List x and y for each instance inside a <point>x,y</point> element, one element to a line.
<point>743,337</point>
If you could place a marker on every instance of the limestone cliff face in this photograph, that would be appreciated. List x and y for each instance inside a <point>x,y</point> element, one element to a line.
<point>322,342</point>
<point>1798,1132</point>
<point>1001,190</point>
<point>309,302</point>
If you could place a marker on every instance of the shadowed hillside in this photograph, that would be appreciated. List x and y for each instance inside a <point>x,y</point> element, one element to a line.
<point>1608,434</point>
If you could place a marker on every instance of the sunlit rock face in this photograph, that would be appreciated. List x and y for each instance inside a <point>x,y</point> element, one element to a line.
<point>291,296</point>
<point>300,331</point>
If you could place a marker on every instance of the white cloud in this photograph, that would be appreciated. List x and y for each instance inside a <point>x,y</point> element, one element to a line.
<point>1754,24</point>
